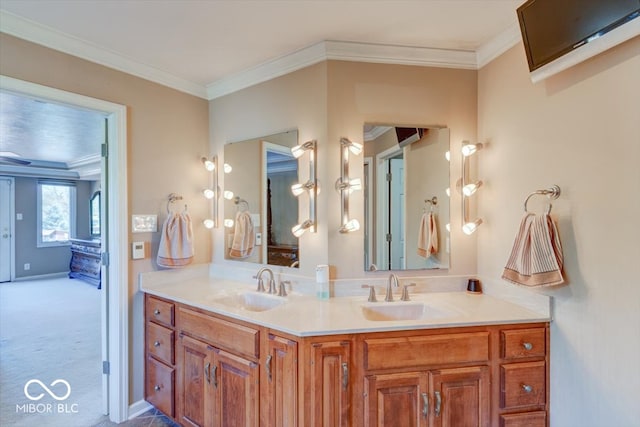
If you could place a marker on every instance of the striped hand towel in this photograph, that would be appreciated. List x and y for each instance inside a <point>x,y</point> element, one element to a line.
<point>536,258</point>
<point>176,241</point>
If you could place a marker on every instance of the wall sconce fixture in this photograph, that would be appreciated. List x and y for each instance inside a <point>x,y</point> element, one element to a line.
<point>346,185</point>
<point>310,187</point>
<point>468,188</point>
<point>214,192</point>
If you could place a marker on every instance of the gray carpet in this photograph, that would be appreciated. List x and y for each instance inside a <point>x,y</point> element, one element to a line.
<point>49,330</point>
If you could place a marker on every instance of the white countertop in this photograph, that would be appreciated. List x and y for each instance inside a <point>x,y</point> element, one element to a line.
<point>304,315</point>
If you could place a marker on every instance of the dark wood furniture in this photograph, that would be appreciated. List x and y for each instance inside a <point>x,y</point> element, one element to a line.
<point>86,261</point>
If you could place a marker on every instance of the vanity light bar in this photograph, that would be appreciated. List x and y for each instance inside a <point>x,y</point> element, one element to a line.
<point>310,186</point>
<point>346,185</point>
<point>468,188</point>
<point>213,192</point>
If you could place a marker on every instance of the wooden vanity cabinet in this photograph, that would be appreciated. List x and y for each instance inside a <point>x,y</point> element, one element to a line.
<point>160,356</point>
<point>233,373</point>
<point>428,378</point>
<point>218,372</point>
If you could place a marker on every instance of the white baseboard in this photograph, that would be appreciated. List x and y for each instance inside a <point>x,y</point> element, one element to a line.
<point>42,276</point>
<point>138,408</point>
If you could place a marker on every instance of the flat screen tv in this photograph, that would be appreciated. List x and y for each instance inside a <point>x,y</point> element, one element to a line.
<point>553,28</point>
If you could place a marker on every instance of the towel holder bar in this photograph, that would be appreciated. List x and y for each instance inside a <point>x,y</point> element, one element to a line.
<point>552,193</point>
<point>432,201</point>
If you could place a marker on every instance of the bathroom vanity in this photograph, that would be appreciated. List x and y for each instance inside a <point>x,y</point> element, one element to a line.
<point>223,356</point>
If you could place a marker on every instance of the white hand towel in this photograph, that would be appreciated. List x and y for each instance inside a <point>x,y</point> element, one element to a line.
<point>176,241</point>
<point>427,236</point>
<point>536,258</point>
<point>243,236</point>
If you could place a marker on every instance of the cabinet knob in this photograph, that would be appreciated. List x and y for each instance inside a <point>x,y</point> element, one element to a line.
<point>527,345</point>
<point>156,344</point>
<point>156,311</point>
<point>157,388</point>
<point>425,404</point>
<point>527,388</point>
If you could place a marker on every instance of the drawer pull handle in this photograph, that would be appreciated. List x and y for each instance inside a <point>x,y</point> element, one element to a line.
<point>215,376</point>
<point>345,375</point>
<point>438,403</point>
<point>156,311</point>
<point>425,404</point>
<point>156,344</point>
<point>527,388</point>
<point>527,346</point>
<point>268,365</point>
<point>157,388</point>
<point>207,372</point>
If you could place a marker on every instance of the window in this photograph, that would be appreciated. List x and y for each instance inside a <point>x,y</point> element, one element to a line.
<point>56,212</point>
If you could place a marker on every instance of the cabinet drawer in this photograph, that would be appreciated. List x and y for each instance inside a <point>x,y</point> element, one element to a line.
<point>406,352</point>
<point>160,342</point>
<point>518,343</point>
<point>237,339</point>
<point>160,311</point>
<point>523,384</point>
<point>159,386</point>
<point>526,419</point>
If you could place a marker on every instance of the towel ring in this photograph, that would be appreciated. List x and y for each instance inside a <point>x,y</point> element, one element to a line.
<point>432,201</point>
<point>238,201</point>
<point>173,197</point>
<point>552,193</point>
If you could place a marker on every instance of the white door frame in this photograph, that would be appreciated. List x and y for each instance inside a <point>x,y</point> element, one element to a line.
<point>9,262</point>
<point>117,272</point>
<point>382,201</point>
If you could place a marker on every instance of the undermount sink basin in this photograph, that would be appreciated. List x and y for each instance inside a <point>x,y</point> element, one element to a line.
<point>402,311</point>
<point>252,301</point>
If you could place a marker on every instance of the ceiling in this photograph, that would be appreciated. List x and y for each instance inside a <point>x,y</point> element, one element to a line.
<point>195,45</point>
<point>212,47</point>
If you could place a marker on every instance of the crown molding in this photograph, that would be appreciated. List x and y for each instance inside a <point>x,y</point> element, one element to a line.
<point>498,45</point>
<point>48,37</point>
<point>322,51</point>
<point>267,71</point>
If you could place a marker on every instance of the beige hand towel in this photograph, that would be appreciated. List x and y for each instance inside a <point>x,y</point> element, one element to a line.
<point>176,241</point>
<point>536,258</point>
<point>243,236</point>
<point>427,236</point>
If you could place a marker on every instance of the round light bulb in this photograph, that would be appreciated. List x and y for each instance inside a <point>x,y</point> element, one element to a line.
<point>228,194</point>
<point>228,222</point>
<point>208,223</point>
<point>209,193</point>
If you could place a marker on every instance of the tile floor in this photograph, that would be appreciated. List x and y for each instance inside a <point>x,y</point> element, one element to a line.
<point>151,418</point>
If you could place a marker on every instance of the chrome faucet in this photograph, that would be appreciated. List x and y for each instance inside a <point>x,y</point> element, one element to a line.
<point>272,282</point>
<point>393,281</point>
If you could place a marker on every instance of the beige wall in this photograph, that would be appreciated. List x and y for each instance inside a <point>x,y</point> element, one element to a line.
<point>580,130</point>
<point>334,99</point>
<point>167,135</point>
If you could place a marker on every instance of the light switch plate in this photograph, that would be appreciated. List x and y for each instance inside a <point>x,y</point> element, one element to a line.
<point>137,250</point>
<point>144,223</point>
<point>258,239</point>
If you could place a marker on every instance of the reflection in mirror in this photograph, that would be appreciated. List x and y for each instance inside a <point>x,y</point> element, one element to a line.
<point>406,197</point>
<point>258,177</point>
<point>94,214</point>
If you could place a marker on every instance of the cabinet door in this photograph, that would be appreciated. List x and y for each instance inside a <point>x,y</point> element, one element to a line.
<point>396,400</point>
<point>195,364</point>
<point>460,397</point>
<point>330,396</point>
<point>281,382</point>
<point>235,382</point>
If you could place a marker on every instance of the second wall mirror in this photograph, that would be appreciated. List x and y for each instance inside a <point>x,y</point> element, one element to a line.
<point>258,176</point>
<point>406,171</point>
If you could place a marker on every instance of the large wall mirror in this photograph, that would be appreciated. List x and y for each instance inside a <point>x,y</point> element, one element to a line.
<point>406,222</point>
<point>259,174</point>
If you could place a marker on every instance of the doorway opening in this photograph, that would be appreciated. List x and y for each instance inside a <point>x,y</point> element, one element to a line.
<point>114,262</point>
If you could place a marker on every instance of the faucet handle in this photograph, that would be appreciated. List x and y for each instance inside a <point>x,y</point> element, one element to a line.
<point>282,290</point>
<point>405,292</point>
<point>272,287</point>
<point>372,293</point>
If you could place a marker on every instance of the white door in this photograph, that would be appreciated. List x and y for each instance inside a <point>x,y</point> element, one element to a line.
<point>6,229</point>
<point>396,213</point>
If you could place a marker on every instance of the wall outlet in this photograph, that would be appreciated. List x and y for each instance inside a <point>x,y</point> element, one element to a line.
<point>27,266</point>
<point>137,250</point>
